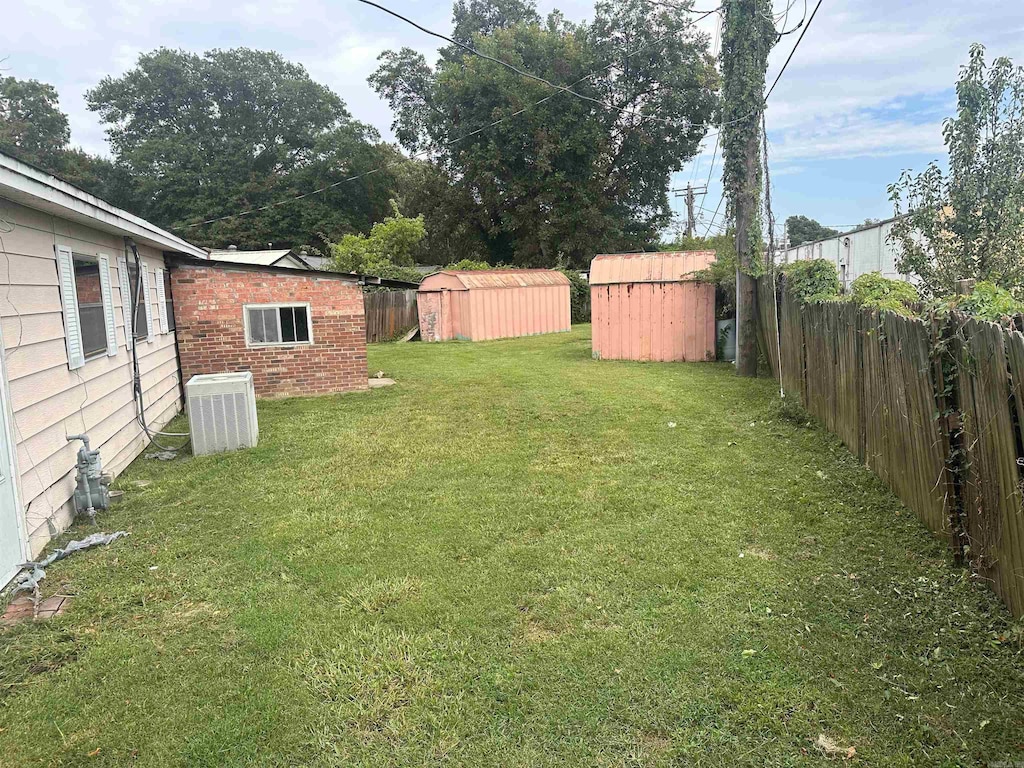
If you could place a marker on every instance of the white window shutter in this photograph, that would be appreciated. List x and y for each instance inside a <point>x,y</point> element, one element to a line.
<point>161,298</point>
<point>126,300</point>
<point>69,299</point>
<point>108,304</point>
<point>144,274</point>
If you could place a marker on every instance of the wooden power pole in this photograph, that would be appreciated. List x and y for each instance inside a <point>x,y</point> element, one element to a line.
<point>690,194</point>
<point>748,34</point>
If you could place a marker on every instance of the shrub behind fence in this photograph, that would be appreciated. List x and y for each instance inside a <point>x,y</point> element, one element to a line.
<point>934,407</point>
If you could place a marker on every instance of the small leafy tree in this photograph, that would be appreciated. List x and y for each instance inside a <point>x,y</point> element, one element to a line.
<point>812,280</point>
<point>970,223</point>
<point>874,291</point>
<point>989,302</point>
<point>388,251</point>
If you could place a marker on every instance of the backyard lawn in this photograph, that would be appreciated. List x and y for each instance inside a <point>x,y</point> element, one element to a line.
<point>517,556</point>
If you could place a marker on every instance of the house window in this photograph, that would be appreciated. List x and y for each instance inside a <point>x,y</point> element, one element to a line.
<point>91,313</point>
<point>168,305</point>
<point>139,302</point>
<point>269,324</point>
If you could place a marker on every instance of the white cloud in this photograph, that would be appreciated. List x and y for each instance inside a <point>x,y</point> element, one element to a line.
<point>872,78</point>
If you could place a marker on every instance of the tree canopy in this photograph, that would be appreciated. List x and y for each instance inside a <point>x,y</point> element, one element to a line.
<point>388,251</point>
<point>32,126</point>
<point>800,229</point>
<point>969,223</point>
<point>561,179</point>
<point>209,135</point>
<point>35,130</point>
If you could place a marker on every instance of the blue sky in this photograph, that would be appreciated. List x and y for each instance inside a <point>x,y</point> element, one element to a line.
<point>863,98</point>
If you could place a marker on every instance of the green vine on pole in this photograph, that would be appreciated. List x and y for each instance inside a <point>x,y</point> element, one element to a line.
<point>748,35</point>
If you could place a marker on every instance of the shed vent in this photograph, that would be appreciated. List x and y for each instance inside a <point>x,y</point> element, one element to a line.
<point>221,412</point>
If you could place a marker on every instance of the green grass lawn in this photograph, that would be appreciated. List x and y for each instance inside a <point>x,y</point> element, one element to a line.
<point>511,558</point>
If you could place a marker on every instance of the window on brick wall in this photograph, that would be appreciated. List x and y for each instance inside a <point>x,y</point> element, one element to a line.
<point>277,324</point>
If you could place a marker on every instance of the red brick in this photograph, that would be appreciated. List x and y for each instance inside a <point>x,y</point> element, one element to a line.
<point>208,307</point>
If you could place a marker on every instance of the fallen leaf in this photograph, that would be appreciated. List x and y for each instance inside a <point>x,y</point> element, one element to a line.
<point>748,653</point>
<point>94,752</point>
<point>830,748</point>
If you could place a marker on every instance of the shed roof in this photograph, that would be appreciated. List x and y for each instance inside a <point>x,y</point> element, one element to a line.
<point>281,257</point>
<point>466,279</point>
<point>660,267</point>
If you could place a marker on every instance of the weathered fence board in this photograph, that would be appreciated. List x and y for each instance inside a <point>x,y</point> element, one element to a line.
<point>935,409</point>
<point>389,314</point>
<point>992,492</point>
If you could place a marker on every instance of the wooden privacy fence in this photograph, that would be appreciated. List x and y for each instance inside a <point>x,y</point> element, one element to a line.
<point>935,407</point>
<point>389,314</point>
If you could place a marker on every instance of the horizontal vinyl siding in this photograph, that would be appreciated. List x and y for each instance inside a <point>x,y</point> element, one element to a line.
<point>50,401</point>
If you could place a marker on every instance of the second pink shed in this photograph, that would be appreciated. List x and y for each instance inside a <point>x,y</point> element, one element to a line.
<point>650,306</point>
<point>492,304</point>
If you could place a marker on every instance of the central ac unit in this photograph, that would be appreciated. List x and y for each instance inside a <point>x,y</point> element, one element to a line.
<point>221,412</point>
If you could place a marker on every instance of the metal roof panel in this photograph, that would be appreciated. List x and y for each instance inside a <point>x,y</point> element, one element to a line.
<point>660,267</point>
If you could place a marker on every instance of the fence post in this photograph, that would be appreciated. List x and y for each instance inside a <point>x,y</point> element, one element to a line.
<point>946,382</point>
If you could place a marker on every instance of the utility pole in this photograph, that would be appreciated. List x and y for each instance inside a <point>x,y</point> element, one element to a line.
<point>748,34</point>
<point>690,194</point>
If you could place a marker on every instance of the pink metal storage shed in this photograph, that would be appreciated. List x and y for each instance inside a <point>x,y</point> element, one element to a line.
<point>649,306</point>
<point>492,304</point>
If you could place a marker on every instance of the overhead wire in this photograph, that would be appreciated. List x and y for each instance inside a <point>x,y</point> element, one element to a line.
<point>775,82</point>
<point>427,151</point>
<point>795,46</point>
<point>513,68</point>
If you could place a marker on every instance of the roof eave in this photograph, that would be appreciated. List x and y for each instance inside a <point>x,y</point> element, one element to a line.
<point>28,186</point>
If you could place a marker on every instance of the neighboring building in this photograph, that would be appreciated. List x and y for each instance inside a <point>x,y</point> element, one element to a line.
<point>650,306</point>
<point>476,305</point>
<point>300,331</point>
<point>283,257</point>
<point>67,366</point>
<point>855,253</point>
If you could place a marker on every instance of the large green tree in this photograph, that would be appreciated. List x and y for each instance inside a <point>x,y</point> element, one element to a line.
<point>800,229</point>
<point>969,223</point>
<point>207,136</point>
<point>34,129</point>
<point>557,181</point>
<point>32,126</point>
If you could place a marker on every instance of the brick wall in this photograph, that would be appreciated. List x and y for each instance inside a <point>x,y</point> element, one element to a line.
<point>208,309</point>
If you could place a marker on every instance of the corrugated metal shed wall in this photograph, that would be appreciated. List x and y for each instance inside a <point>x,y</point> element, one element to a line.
<point>650,307</point>
<point>493,304</point>
<point>854,253</point>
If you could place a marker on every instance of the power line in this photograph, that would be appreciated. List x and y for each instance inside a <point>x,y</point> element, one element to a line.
<point>422,153</point>
<point>769,93</point>
<point>517,70</point>
<point>795,46</point>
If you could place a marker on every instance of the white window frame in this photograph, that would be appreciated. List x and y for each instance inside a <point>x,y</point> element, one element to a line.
<point>77,357</point>
<point>126,300</point>
<point>282,305</point>
<point>161,298</point>
<point>147,301</point>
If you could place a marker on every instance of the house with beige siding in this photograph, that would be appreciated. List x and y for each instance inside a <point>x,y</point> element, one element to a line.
<point>67,277</point>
